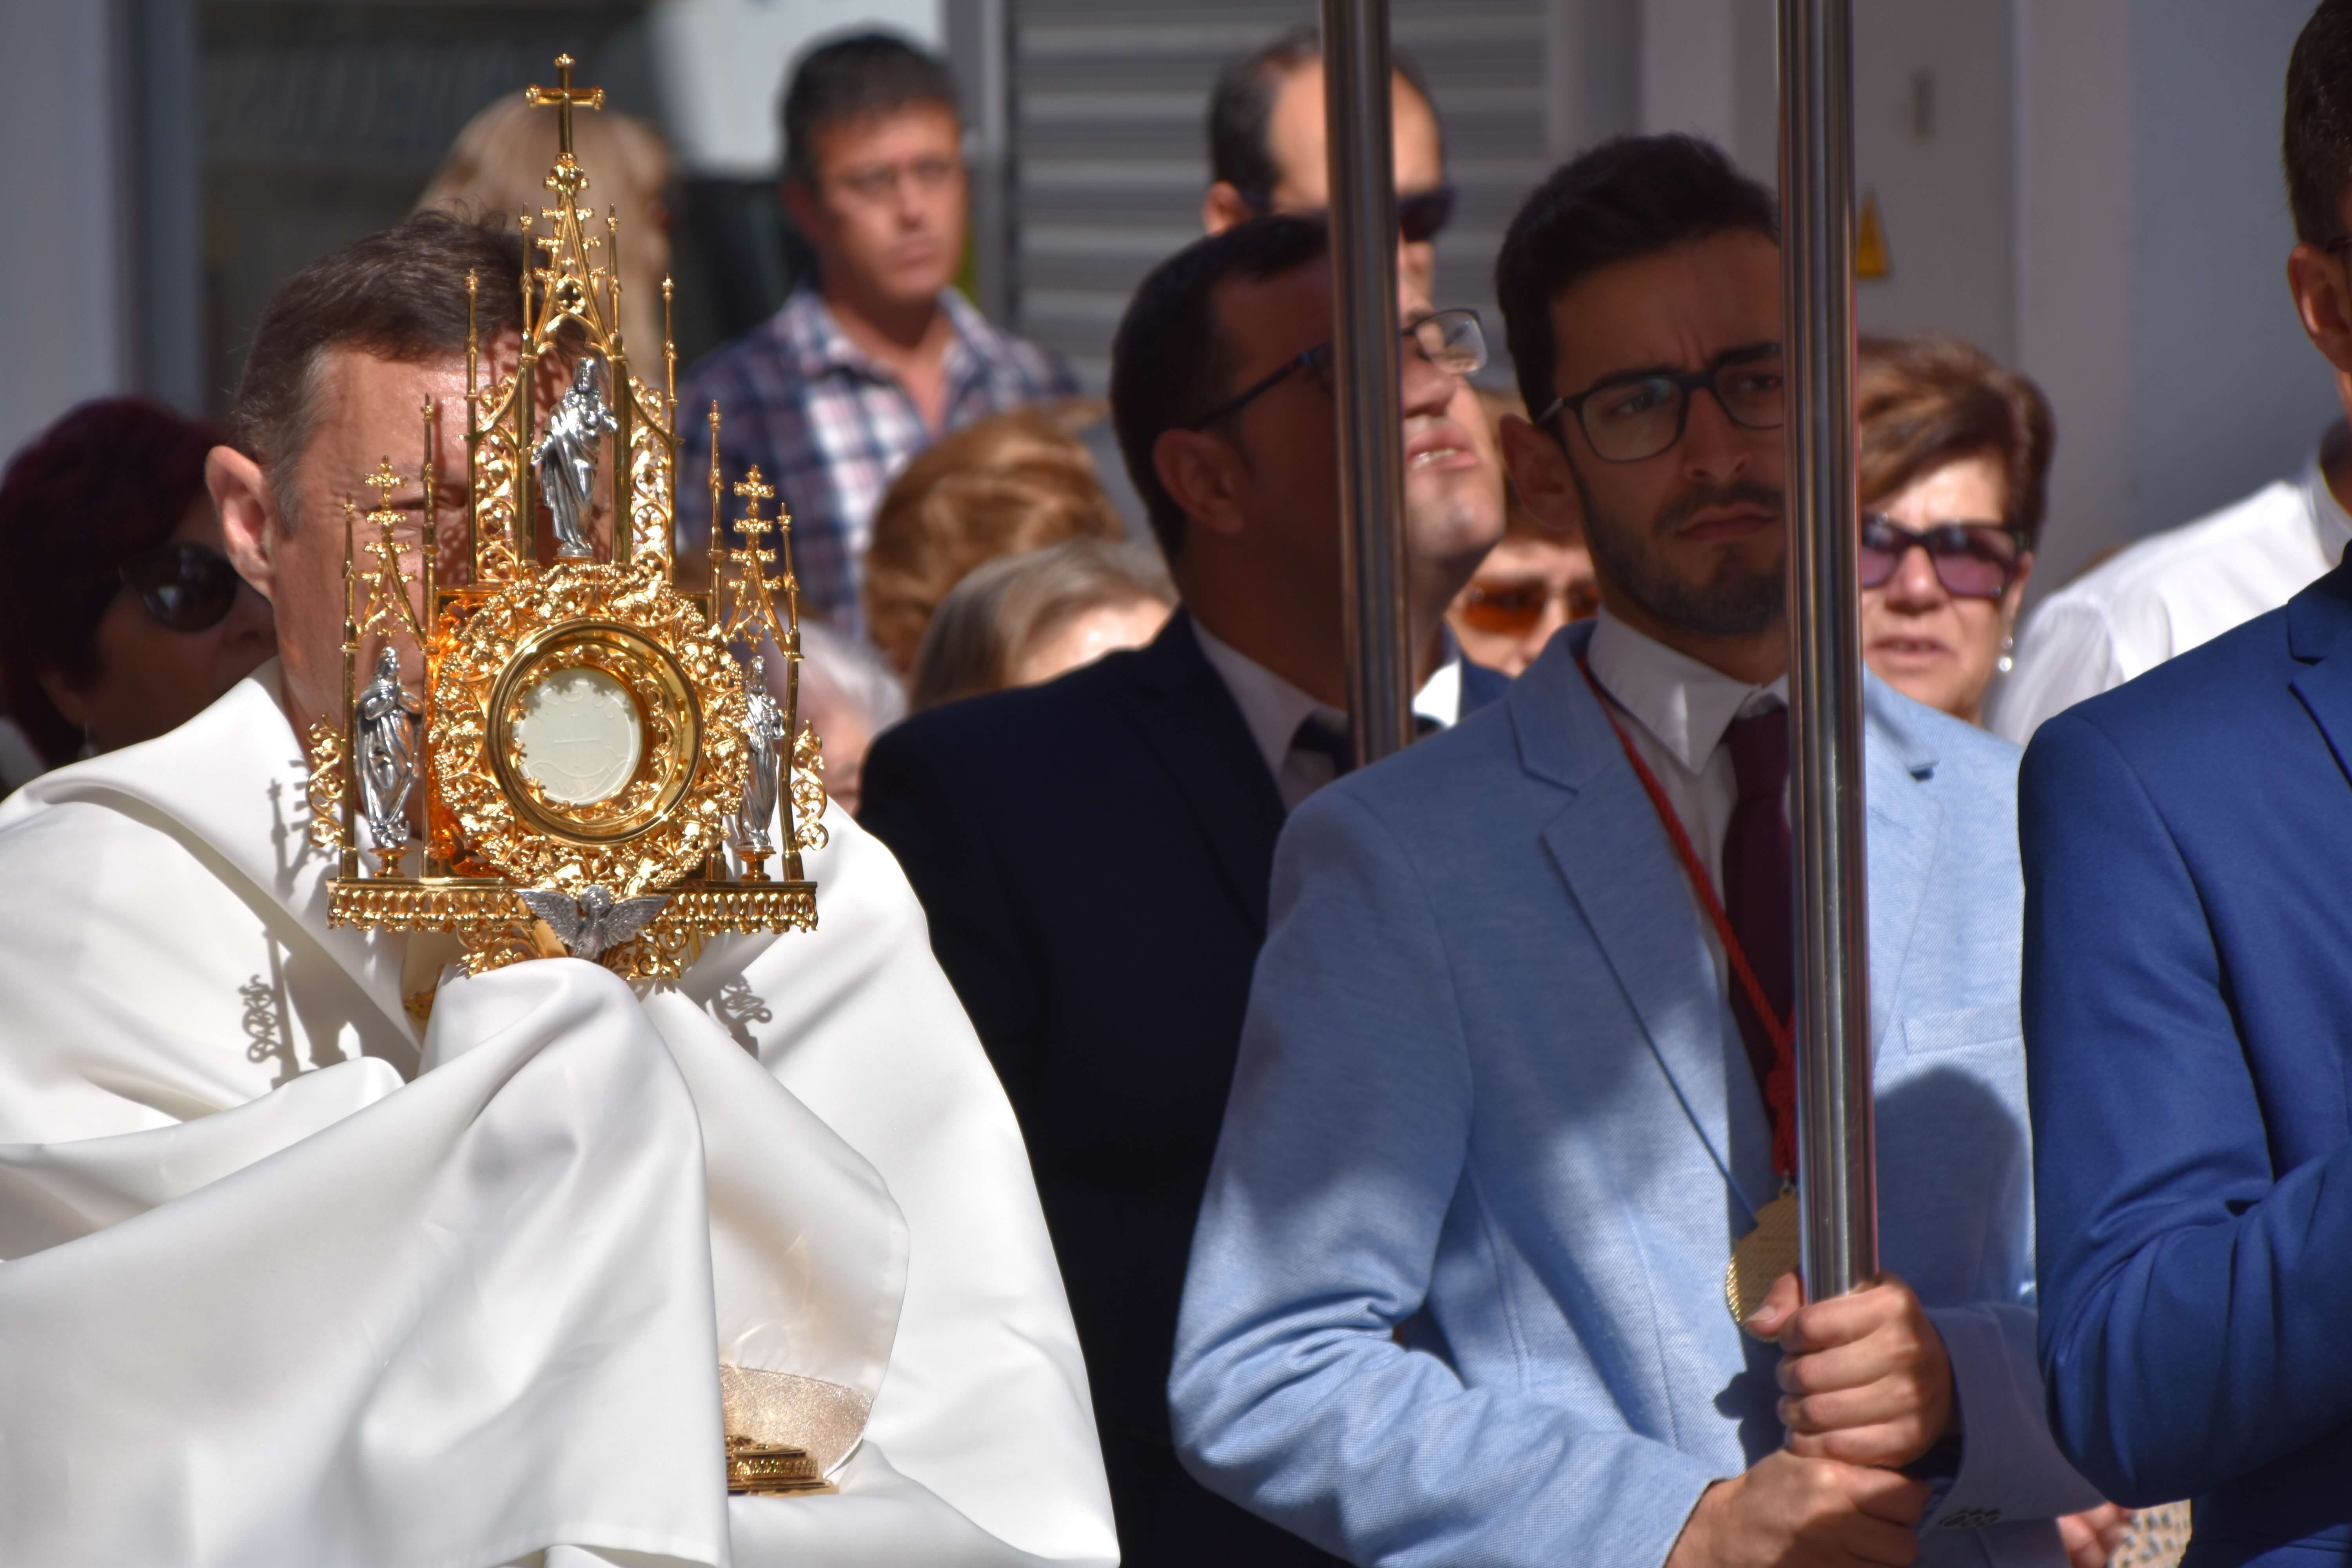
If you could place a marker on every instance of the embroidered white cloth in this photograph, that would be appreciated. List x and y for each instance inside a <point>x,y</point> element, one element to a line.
<point>289,1283</point>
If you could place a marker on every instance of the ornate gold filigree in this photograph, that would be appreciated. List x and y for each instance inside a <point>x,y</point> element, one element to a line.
<point>808,791</point>
<point>326,787</point>
<point>485,916</point>
<point>652,457</point>
<point>495,466</point>
<point>516,623</point>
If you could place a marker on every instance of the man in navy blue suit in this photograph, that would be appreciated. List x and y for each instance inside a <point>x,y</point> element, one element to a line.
<point>1094,854</point>
<point>2188,1001</point>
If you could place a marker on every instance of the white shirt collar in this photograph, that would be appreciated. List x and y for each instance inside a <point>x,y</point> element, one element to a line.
<point>1271,706</point>
<point>2327,514</point>
<point>1686,705</point>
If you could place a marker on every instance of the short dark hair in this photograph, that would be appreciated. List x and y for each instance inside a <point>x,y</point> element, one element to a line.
<point>850,78</point>
<point>2319,138</point>
<point>110,480</point>
<point>1241,107</point>
<point>1924,402</point>
<point>1627,198</point>
<point>399,295</point>
<point>1169,363</point>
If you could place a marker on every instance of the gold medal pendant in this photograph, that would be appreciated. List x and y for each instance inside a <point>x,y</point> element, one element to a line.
<point>1760,1257</point>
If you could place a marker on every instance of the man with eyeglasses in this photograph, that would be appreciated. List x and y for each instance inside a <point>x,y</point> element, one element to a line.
<point>1093,853</point>
<point>1267,151</point>
<point>1515,1084</point>
<point>877,357</point>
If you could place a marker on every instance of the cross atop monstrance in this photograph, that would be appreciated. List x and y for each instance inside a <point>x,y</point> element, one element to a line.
<point>562,99</point>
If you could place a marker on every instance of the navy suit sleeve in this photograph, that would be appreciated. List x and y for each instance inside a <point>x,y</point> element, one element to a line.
<point>1343,1153</point>
<point>2193,1297</point>
<point>921,806</point>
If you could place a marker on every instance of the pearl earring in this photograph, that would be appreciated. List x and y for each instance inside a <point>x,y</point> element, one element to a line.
<point>2005,663</point>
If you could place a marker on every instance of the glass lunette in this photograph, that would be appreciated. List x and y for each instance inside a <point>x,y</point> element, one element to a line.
<point>1630,417</point>
<point>1451,339</point>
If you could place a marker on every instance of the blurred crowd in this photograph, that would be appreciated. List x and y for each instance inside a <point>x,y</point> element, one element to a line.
<point>1158,575</point>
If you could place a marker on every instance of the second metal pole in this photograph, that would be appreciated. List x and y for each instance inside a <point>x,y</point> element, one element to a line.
<point>1836,1153</point>
<point>1355,74</point>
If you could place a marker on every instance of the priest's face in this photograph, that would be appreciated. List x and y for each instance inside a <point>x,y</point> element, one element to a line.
<point>286,535</point>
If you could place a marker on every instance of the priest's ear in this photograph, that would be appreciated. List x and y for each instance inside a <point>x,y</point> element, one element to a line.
<point>250,517</point>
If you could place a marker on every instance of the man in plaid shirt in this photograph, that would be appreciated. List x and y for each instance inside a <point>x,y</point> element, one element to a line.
<point>859,371</point>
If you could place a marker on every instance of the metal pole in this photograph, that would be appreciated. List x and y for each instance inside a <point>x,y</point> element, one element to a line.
<point>1836,1158</point>
<point>1356,89</point>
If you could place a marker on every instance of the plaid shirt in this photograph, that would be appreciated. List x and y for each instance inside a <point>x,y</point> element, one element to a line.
<point>830,427</point>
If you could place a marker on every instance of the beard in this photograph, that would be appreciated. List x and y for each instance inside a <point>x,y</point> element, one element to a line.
<point>1738,600</point>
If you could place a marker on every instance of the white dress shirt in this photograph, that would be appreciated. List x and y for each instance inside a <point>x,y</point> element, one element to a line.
<point>1680,711</point>
<point>2169,593</point>
<point>1273,709</point>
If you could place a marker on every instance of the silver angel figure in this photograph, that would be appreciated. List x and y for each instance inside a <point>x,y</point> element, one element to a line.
<point>387,753</point>
<point>763,731</point>
<point>565,459</point>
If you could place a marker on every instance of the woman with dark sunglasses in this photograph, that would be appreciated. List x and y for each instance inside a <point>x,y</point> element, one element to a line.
<point>1955,465</point>
<point>119,616</point>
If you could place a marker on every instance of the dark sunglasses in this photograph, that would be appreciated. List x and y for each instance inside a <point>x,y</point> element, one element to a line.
<point>187,587</point>
<point>1419,215</point>
<point>1972,560</point>
<point>1451,339</point>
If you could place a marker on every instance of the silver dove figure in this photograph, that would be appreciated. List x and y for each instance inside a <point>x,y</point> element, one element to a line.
<point>565,460</point>
<point>595,921</point>
<point>388,748</point>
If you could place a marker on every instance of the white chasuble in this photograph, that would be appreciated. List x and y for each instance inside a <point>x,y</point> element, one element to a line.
<point>288,1282</point>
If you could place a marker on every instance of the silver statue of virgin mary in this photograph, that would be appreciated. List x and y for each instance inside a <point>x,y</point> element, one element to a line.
<point>763,735</point>
<point>387,759</point>
<point>565,458</point>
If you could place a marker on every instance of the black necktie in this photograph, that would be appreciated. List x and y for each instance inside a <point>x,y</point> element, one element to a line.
<point>1325,739</point>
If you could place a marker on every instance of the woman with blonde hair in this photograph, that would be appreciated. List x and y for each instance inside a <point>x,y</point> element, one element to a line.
<point>1002,486</point>
<point>498,165</point>
<point>1021,620</point>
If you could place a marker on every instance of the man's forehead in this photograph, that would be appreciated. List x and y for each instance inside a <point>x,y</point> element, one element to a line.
<point>1266,321</point>
<point>1676,308</point>
<point>1295,136</point>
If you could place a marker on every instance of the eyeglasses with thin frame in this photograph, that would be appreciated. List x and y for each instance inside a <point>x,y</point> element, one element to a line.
<point>1451,339</point>
<point>1422,215</point>
<point>186,587</point>
<point>1630,417</point>
<point>1972,560</point>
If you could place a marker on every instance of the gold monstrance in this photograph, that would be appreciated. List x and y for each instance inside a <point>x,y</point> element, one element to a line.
<point>598,775</point>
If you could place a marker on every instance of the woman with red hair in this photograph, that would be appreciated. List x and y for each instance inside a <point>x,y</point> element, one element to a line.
<point>119,616</point>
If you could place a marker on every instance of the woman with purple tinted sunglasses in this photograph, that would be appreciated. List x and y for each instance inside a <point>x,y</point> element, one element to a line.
<point>1955,465</point>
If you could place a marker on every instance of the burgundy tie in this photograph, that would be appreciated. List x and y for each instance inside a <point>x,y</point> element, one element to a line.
<point>1756,872</point>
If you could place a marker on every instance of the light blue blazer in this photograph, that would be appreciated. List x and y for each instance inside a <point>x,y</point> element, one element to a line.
<point>1491,1095</point>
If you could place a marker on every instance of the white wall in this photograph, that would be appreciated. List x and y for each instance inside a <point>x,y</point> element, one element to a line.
<point>65,303</point>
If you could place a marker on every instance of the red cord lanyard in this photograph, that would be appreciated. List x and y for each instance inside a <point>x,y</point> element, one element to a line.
<point>1781,1081</point>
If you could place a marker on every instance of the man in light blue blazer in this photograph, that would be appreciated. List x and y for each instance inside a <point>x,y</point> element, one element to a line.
<point>1457,1293</point>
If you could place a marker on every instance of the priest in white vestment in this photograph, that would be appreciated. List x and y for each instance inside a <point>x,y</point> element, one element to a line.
<point>304,1267</point>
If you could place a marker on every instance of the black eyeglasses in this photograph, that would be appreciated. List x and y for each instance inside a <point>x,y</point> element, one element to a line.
<point>1451,339</point>
<point>1972,560</point>
<point>1421,214</point>
<point>187,587</point>
<point>1630,417</point>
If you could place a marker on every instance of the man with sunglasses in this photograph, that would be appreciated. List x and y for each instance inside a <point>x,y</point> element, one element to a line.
<point>1267,151</point>
<point>1093,853</point>
<point>1517,1083</point>
<point>332,1253</point>
<point>876,357</point>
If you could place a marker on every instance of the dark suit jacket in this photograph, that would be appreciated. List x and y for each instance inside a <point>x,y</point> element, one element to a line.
<point>2188,1001</point>
<point>1094,856</point>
